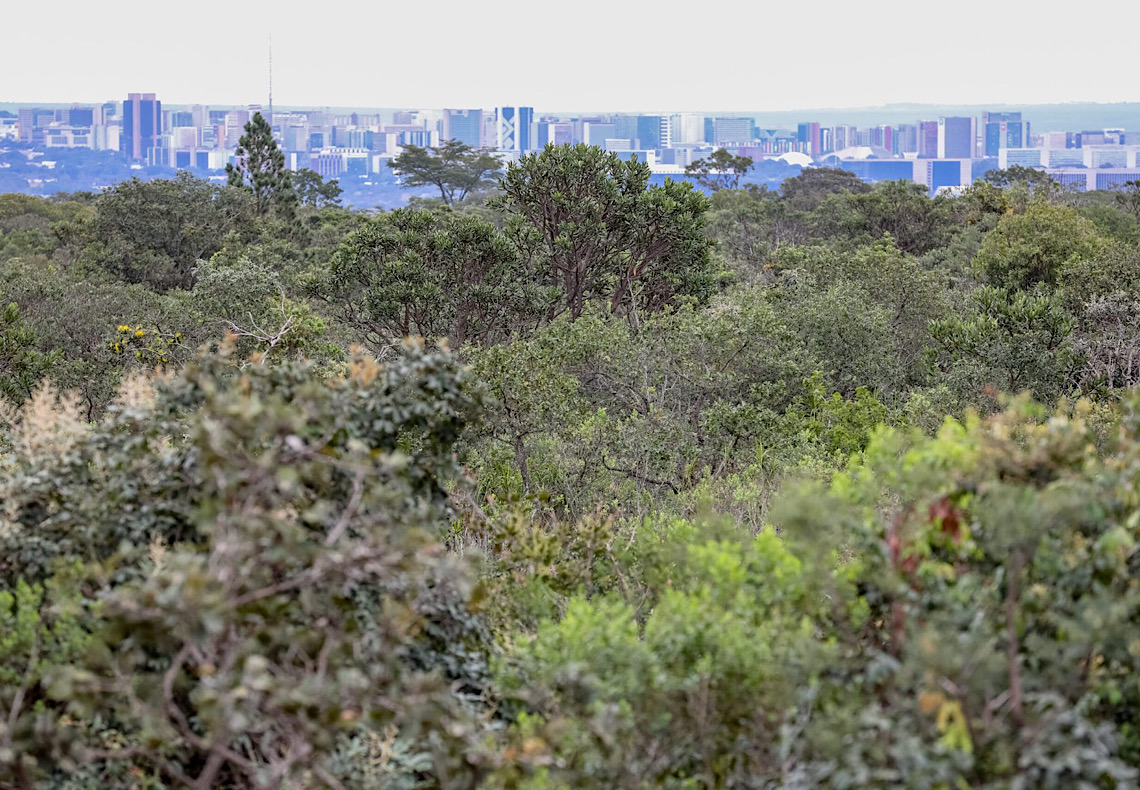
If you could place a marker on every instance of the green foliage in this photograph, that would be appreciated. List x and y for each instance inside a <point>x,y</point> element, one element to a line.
<point>750,227</point>
<point>652,523</point>
<point>1030,178</point>
<point>1128,198</point>
<point>155,232</point>
<point>22,367</point>
<point>453,168</point>
<point>421,273</point>
<point>719,170</point>
<point>288,587</point>
<point>1033,247</point>
<point>312,190</point>
<point>899,210</point>
<point>1009,342</point>
<point>592,225</point>
<point>808,190</point>
<point>259,167</point>
<point>866,313</point>
<point>42,629</point>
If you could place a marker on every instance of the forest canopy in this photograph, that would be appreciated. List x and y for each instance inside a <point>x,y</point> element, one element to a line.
<point>567,479</point>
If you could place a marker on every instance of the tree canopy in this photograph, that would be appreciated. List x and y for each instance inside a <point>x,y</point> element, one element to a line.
<point>259,166</point>
<point>719,170</point>
<point>583,481</point>
<point>454,168</point>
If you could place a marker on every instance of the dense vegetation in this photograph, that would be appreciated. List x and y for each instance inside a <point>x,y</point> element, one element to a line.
<point>832,487</point>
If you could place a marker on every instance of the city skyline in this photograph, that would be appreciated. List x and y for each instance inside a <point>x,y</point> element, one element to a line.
<point>939,152</point>
<point>603,56</point>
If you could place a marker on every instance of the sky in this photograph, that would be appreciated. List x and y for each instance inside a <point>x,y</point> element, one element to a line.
<point>582,55</point>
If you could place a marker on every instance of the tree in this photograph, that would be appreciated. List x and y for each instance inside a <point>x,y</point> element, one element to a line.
<point>430,274</point>
<point>900,297</point>
<point>155,232</point>
<point>806,191</point>
<point>1033,247</point>
<point>720,170</point>
<point>590,222</point>
<point>901,209</point>
<point>1128,197</point>
<point>453,168</point>
<point>312,190</point>
<point>277,586</point>
<point>1031,178</point>
<point>750,227</point>
<point>22,366</point>
<point>259,166</point>
<point>1008,342</point>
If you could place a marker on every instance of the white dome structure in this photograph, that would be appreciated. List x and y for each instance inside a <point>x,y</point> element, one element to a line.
<point>796,158</point>
<point>861,152</point>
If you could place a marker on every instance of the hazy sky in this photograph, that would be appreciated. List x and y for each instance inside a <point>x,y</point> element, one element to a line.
<point>579,54</point>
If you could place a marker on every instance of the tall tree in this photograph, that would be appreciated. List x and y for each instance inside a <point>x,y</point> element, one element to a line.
<point>1035,246</point>
<point>432,274</point>
<point>1028,177</point>
<point>720,170</point>
<point>1128,197</point>
<point>259,165</point>
<point>811,187</point>
<point>453,168</point>
<point>155,232</point>
<point>312,190</point>
<point>593,223</point>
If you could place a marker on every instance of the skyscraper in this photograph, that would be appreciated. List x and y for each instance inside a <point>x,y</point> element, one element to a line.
<point>906,135</point>
<point>685,128</point>
<point>466,126</point>
<point>650,130</point>
<point>1004,130</point>
<point>142,124</point>
<point>732,130</point>
<point>957,138</point>
<point>928,139</point>
<point>512,128</point>
<point>808,136</point>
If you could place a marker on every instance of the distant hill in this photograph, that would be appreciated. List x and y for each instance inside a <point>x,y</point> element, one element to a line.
<point>1043,117</point>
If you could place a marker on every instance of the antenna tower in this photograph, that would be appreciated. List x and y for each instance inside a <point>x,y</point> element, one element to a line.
<point>270,80</point>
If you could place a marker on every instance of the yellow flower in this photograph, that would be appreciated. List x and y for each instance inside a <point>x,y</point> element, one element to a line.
<point>140,333</point>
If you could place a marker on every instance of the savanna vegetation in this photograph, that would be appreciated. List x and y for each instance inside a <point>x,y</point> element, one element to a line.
<point>566,480</point>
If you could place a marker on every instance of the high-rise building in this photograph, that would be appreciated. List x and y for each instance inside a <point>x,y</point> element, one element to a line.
<point>653,131</point>
<point>907,136</point>
<point>26,121</point>
<point>79,116</point>
<point>596,133</point>
<point>625,126</point>
<point>731,130</point>
<point>1003,130</point>
<point>234,123</point>
<point>686,128</point>
<point>928,139</point>
<point>957,138</point>
<point>808,136</point>
<point>512,128</point>
<point>887,140</point>
<point>142,125</point>
<point>466,126</point>
<point>32,121</point>
<point>553,133</point>
<point>843,136</point>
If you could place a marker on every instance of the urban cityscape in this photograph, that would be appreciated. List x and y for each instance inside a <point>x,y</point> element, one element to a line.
<point>139,135</point>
